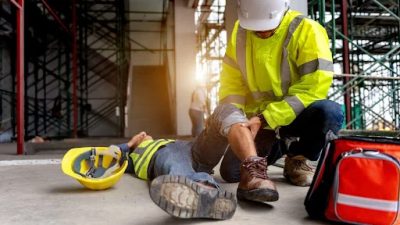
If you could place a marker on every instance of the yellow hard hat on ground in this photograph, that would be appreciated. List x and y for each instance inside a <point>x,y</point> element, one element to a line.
<point>96,168</point>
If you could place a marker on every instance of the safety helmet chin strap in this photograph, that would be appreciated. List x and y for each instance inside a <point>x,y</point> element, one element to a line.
<point>91,163</point>
<point>111,151</point>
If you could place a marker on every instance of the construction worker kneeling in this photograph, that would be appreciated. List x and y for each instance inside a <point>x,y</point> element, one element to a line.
<point>275,77</point>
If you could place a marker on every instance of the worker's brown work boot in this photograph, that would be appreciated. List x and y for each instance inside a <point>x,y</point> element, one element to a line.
<point>254,183</point>
<point>297,171</point>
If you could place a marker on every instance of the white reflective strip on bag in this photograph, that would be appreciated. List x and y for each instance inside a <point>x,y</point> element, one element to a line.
<point>368,203</point>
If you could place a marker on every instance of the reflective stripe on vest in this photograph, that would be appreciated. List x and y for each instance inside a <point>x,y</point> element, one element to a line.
<point>295,104</point>
<point>286,79</point>
<point>241,39</point>
<point>141,157</point>
<point>229,61</point>
<point>268,95</point>
<point>285,68</point>
<point>234,99</point>
<point>317,64</point>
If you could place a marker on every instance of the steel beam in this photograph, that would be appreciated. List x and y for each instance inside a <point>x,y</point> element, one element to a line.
<point>74,69</point>
<point>18,5</point>
<point>386,9</point>
<point>56,17</point>
<point>20,78</point>
<point>346,63</point>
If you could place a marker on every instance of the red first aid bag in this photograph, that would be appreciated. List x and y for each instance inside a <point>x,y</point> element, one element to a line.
<point>357,181</point>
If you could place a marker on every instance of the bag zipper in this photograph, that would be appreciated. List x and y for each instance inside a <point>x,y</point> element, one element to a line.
<point>371,139</point>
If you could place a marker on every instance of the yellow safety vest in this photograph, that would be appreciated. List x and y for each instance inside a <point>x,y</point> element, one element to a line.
<point>279,76</point>
<point>142,155</point>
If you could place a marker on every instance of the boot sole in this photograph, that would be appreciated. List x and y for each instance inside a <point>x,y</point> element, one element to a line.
<point>183,198</point>
<point>258,195</point>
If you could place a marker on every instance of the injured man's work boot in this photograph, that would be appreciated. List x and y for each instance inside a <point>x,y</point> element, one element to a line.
<point>254,183</point>
<point>297,171</point>
<point>184,198</point>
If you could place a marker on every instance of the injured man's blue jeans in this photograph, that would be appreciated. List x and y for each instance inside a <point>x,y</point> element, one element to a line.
<point>310,128</point>
<point>175,159</point>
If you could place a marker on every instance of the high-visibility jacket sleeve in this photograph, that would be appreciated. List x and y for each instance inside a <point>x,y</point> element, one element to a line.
<point>125,149</point>
<point>315,68</point>
<point>233,87</point>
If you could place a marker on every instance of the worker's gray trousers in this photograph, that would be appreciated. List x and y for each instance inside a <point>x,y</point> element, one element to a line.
<point>311,127</point>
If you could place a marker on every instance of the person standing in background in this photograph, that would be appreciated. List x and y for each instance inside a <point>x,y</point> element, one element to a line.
<point>197,109</point>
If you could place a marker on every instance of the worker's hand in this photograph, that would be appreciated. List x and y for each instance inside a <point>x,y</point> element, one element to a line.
<point>137,139</point>
<point>254,124</point>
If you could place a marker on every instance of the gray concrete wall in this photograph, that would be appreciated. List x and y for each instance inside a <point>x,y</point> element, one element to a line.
<point>171,64</point>
<point>140,57</point>
<point>181,64</point>
<point>149,105</point>
<point>104,94</point>
<point>149,40</point>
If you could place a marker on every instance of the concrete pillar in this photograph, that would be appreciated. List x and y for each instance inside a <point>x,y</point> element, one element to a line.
<point>185,54</point>
<point>230,16</point>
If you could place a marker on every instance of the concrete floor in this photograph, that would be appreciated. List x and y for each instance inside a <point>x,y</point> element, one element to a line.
<point>42,194</point>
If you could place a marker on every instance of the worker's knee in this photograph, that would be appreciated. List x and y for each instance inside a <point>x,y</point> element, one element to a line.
<point>225,116</point>
<point>229,176</point>
<point>329,114</point>
<point>328,109</point>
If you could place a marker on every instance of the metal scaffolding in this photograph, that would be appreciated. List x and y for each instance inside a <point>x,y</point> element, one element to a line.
<point>212,43</point>
<point>365,42</point>
<point>66,53</point>
<point>12,33</point>
<point>70,49</point>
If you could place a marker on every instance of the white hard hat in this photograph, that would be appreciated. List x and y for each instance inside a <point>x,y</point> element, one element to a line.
<point>261,15</point>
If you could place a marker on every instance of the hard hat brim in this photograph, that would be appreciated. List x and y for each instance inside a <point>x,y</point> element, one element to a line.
<point>259,25</point>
